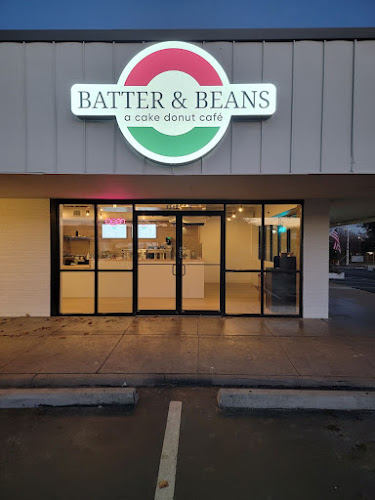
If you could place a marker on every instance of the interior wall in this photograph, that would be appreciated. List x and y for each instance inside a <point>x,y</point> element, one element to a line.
<point>210,235</point>
<point>163,230</point>
<point>242,241</point>
<point>241,245</point>
<point>24,257</point>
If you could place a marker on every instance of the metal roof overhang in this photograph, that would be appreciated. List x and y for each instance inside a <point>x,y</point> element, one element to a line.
<point>351,195</point>
<point>193,35</point>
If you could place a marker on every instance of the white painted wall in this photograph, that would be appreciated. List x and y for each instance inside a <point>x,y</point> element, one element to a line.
<point>315,259</point>
<point>24,257</point>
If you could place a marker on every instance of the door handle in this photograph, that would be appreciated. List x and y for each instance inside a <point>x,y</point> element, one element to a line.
<point>174,269</point>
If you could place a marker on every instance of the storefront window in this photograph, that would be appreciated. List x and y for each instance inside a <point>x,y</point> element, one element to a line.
<point>77,292</point>
<point>115,292</point>
<point>243,293</point>
<point>243,236</point>
<point>282,258</point>
<point>157,262</point>
<point>282,229</point>
<point>77,237</point>
<point>115,237</point>
<point>281,292</point>
<point>180,261</point>
<point>201,253</point>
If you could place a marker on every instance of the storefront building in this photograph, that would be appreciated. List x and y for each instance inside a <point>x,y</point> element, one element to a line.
<point>140,175</point>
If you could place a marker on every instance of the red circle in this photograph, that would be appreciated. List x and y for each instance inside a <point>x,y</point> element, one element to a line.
<point>173,59</point>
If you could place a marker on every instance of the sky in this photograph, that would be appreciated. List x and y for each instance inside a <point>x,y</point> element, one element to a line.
<point>188,14</point>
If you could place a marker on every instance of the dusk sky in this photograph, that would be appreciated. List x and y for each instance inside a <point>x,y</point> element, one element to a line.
<point>149,14</point>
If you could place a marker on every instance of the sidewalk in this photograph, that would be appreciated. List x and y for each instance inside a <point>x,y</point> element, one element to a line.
<point>116,351</point>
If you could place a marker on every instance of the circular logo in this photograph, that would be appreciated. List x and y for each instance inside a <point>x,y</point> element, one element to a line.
<point>173,102</point>
<point>175,134</point>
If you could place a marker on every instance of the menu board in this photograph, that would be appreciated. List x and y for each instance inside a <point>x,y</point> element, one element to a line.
<point>147,231</point>
<point>114,231</point>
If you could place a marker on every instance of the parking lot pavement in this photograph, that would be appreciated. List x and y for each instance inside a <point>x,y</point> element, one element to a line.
<point>361,279</point>
<point>111,453</point>
<point>80,453</point>
<point>366,284</point>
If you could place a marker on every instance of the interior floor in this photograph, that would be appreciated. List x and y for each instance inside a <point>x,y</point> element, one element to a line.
<point>241,298</point>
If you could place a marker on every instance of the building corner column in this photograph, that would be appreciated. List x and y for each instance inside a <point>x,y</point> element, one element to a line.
<point>316,259</point>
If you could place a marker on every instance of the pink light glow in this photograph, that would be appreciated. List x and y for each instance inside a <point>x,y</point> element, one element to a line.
<point>115,222</point>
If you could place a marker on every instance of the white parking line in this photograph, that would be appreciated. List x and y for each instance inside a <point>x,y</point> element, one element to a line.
<point>362,285</point>
<point>359,282</point>
<point>168,461</point>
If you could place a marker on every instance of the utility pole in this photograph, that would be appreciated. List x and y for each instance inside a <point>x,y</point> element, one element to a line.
<point>347,245</point>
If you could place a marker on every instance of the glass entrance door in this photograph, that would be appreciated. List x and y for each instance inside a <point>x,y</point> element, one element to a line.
<point>179,263</point>
<point>201,263</point>
<point>157,267</point>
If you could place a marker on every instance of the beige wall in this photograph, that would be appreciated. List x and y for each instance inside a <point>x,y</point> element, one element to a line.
<point>210,239</point>
<point>242,251</point>
<point>315,259</point>
<point>24,257</point>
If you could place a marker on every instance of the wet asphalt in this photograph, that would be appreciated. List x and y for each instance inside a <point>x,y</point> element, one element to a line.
<point>113,452</point>
<point>361,279</point>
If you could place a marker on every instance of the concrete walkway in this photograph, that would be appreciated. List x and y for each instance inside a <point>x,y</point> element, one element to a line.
<point>116,351</point>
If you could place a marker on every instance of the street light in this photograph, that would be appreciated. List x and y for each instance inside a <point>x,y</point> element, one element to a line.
<point>371,253</point>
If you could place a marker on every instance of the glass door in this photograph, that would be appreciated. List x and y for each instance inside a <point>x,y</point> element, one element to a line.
<point>180,265</point>
<point>157,268</point>
<point>201,275</point>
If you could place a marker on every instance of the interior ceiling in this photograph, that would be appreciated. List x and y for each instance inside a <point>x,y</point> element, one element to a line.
<point>352,195</point>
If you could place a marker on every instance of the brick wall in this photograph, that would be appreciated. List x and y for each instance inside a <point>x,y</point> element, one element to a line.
<point>24,257</point>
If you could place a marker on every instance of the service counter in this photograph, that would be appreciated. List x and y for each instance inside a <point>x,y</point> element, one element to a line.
<point>104,264</point>
<point>156,278</point>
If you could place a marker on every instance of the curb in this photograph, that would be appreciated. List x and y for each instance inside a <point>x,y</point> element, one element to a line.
<point>122,380</point>
<point>295,399</point>
<point>32,398</point>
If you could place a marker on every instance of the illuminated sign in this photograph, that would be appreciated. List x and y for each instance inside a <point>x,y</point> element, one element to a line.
<point>173,102</point>
<point>114,222</point>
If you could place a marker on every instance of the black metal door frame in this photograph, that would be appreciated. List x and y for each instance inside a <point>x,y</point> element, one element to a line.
<point>178,261</point>
<point>55,254</point>
<point>222,262</point>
